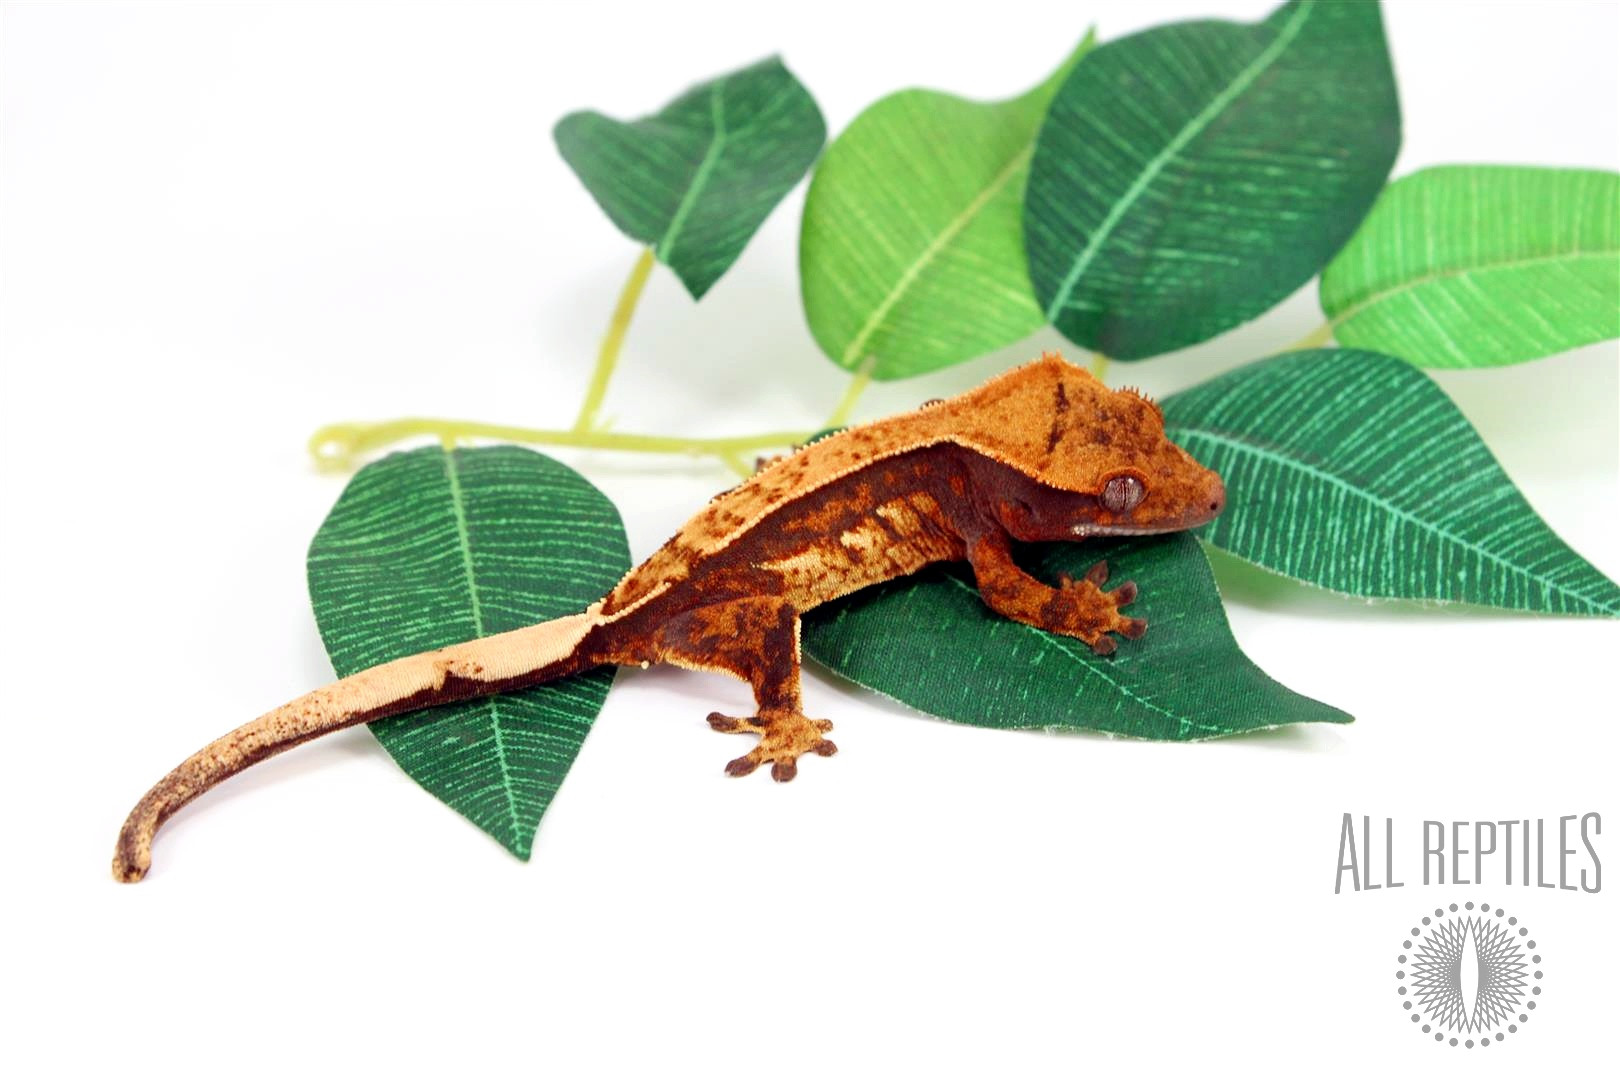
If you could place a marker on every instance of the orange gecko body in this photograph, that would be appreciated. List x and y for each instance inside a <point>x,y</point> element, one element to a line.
<point>1041,452</point>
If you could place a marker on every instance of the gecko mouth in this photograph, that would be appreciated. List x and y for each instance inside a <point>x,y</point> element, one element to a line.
<point>1191,521</point>
<point>1080,532</point>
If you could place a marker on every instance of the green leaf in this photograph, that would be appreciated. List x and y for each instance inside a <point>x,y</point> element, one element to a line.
<point>910,255</point>
<point>1476,265</point>
<point>930,641</point>
<point>429,548</point>
<point>1353,471</point>
<point>1189,177</point>
<point>696,179</point>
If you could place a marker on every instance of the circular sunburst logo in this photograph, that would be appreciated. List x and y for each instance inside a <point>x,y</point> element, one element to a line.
<point>1468,975</point>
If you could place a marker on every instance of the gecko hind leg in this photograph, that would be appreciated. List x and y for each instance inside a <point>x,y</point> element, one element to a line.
<point>757,640</point>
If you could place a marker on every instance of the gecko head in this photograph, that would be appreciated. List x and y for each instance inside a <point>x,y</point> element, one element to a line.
<point>1100,461</point>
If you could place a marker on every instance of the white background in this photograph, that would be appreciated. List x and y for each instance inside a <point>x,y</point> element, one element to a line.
<point>225,225</point>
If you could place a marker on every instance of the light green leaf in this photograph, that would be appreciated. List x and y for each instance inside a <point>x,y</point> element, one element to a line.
<point>1353,471</point>
<point>1476,265</point>
<point>696,179</point>
<point>429,548</point>
<point>929,640</point>
<point>1189,177</point>
<point>910,255</point>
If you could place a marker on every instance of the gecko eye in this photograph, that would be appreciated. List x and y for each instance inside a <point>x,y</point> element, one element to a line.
<point>1122,493</point>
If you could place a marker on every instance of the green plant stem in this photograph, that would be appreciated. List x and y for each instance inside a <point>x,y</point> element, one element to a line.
<point>337,446</point>
<point>1099,366</point>
<point>1313,340</point>
<point>607,357</point>
<point>857,387</point>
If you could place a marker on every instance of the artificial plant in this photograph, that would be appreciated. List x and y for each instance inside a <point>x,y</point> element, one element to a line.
<point>1147,195</point>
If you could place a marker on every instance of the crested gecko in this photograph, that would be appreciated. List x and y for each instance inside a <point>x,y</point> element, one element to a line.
<point>1041,452</point>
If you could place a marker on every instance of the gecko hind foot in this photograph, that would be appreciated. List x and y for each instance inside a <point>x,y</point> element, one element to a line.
<point>783,738</point>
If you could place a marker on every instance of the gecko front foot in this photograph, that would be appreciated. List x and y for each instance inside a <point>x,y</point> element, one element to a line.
<point>783,737</point>
<point>1090,613</point>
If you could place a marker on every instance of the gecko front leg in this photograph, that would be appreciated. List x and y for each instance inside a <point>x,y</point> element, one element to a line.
<point>757,640</point>
<point>1080,609</point>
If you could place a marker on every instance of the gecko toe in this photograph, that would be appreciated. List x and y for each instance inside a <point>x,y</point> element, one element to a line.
<point>735,725</point>
<point>1098,573</point>
<point>1132,628</point>
<point>741,766</point>
<point>824,748</point>
<point>1103,646</point>
<point>783,771</point>
<point>1124,594</point>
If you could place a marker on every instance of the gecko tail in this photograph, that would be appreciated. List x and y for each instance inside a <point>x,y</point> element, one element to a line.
<point>489,665</point>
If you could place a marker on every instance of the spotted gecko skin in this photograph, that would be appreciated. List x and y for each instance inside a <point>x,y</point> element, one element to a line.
<point>1042,452</point>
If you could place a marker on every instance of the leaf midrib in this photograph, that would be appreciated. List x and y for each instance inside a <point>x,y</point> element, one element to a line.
<point>954,228</point>
<point>700,178</point>
<point>1413,284</point>
<point>1397,511</point>
<point>1191,130</point>
<point>464,541</point>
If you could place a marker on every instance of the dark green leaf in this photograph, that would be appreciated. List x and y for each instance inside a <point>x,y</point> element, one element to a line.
<point>1189,177</point>
<point>1474,265</point>
<point>929,641</point>
<point>429,548</point>
<point>910,256</point>
<point>1353,471</point>
<point>697,178</point>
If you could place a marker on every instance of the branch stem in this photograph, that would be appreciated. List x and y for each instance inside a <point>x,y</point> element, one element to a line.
<point>337,446</point>
<point>737,463</point>
<point>607,357</point>
<point>857,387</point>
<point>1313,340</point>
